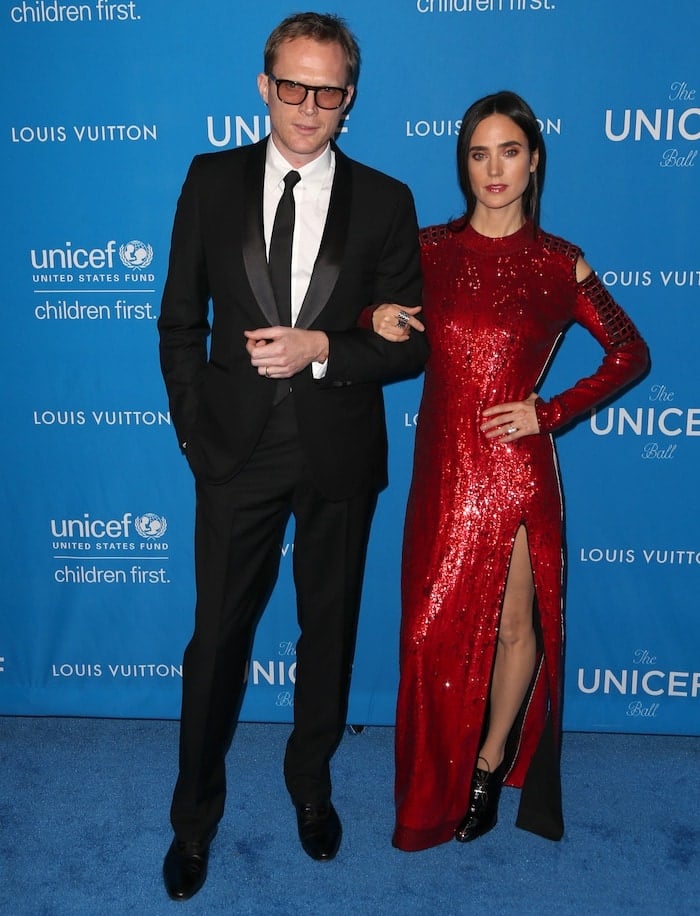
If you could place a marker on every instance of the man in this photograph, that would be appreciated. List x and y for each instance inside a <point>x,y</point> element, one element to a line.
<point>281,414</point>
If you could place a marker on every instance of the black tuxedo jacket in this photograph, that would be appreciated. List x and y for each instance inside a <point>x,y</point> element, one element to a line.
<point>218,286</point>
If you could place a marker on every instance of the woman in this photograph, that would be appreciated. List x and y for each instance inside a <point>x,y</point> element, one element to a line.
<point>481,640</point>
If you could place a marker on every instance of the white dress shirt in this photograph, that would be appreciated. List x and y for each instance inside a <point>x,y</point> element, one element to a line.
<point>311,199</point>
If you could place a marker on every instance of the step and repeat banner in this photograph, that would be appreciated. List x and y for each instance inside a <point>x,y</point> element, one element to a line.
<point>104,104</point>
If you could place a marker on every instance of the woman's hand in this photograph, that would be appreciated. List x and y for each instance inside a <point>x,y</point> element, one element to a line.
<point>394,322</point>
<point>509,422</point>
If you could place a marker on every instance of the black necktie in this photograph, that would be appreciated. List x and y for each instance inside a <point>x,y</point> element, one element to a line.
<point>280,259</point>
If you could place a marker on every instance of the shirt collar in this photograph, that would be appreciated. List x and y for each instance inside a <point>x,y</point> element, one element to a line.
<point>313,173</point>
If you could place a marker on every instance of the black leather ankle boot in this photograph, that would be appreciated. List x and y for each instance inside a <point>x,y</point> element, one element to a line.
<point>482,812</point>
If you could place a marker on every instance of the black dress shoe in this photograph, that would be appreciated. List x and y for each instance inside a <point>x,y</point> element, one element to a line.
<point>319,830</point>
<point>482,812</point>
<point>185,867</point>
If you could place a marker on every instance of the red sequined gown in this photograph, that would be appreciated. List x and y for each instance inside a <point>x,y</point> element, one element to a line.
<point>495,309</point>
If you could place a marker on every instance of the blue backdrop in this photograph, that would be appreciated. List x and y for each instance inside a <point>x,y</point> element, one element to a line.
<point>103,106</point>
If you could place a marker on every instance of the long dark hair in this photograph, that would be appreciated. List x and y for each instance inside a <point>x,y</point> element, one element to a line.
<point>513,107</point>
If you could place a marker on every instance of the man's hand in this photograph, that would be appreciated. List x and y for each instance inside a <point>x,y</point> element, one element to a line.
<point>281,352</point>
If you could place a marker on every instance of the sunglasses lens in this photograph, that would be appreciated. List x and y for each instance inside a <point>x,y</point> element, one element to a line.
<point>294,94</point>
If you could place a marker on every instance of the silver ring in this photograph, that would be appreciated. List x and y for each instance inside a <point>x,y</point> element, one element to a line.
<point>402,319</point>
<point>511,430</point>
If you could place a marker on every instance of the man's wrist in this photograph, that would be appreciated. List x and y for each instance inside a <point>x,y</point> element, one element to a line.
<point>322,355</point>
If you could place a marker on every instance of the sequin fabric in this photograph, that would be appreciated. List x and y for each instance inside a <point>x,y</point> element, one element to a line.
<point>495,309</point>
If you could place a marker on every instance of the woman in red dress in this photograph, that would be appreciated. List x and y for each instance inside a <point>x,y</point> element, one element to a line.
<point>479,700</point>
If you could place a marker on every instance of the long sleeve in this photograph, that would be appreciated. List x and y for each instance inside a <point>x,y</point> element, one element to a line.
<point>183,324</point>
<point>626,356</point>
<point>358,355</point>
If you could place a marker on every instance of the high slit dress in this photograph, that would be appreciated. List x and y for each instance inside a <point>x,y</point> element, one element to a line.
<point>495,311</point>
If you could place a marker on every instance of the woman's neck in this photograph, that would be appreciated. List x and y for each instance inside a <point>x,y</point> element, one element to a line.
<point>497,224</point>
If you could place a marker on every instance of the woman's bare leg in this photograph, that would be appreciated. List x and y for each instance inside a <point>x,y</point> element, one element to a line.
<point>515,654</point>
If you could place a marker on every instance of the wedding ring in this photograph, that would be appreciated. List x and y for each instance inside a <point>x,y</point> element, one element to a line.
<point>402,319</point>
<point>511,430</point>
<point>267,372</point>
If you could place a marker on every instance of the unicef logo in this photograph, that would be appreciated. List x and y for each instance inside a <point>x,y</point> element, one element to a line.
<point>149,525</point>
<point>135,254</point>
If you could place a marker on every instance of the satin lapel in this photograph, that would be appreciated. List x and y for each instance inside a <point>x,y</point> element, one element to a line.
<point>254,254</point>
<point>332,249</point>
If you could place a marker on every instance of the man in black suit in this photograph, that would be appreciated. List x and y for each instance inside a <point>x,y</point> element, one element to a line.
<point>282,412</point>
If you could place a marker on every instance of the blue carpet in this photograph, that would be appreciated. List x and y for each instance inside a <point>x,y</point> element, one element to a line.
<point>84,827</point>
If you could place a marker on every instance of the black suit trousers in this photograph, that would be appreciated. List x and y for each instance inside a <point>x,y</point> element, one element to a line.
<point>238,533</point>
